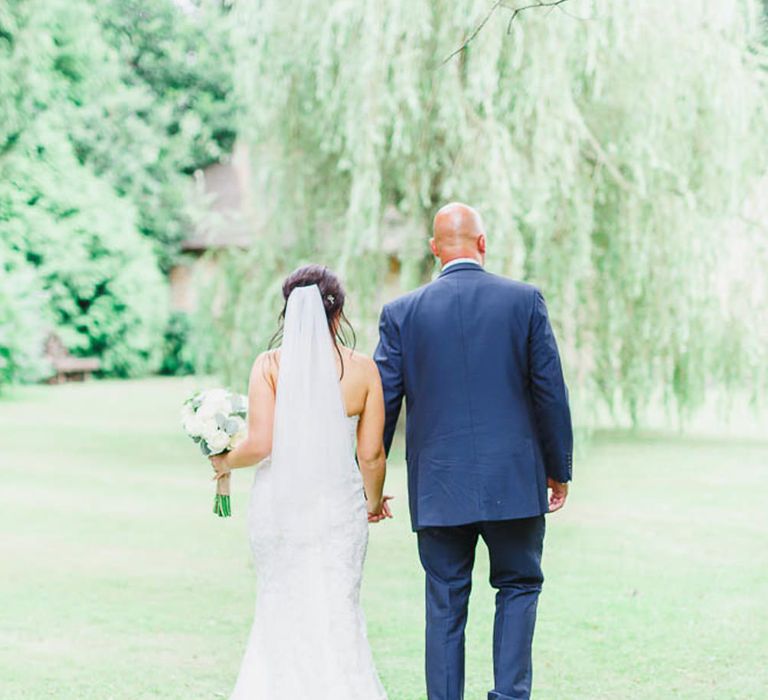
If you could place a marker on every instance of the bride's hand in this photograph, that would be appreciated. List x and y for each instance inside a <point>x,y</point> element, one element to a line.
<point>379,511</point>
<point>220,466</point>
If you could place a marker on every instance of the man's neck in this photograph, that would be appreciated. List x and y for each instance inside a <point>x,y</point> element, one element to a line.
<point>461,260</point>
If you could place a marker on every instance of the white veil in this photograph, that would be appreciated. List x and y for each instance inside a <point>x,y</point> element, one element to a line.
<point>311,445</point>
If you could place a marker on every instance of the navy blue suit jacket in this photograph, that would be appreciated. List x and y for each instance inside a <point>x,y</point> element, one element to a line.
<point>487,407</point>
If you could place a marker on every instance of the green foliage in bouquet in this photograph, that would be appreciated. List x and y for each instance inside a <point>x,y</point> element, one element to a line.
<point>610,158</point>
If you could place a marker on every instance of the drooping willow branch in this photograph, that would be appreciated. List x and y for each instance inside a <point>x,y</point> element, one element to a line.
<point>598,183</point>
<point>515,12</point>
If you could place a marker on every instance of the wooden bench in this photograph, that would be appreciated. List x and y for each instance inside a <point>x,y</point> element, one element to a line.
<point>67,368</point>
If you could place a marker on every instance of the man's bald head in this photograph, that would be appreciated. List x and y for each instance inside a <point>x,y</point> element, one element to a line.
<point>458,233</point>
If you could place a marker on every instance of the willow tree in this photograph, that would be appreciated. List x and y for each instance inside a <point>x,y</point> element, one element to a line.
<point>609,147</point>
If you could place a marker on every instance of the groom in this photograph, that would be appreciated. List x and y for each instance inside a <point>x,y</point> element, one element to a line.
<point>488,432</point>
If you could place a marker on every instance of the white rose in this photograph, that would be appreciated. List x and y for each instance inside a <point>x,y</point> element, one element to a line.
<point>218,442</point>
<point>208,428</point>
<point>216,401</point>
<point>207,410</point>
<point>210,408</point>
<point>193,426</point>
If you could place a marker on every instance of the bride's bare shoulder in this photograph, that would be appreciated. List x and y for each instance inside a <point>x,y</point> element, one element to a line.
<point>361,362</point>
<point>266,365</point>
<point>268,357</point>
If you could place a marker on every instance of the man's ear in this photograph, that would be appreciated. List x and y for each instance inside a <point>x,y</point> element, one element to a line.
<point>481,244</point>
<point>433,247</point>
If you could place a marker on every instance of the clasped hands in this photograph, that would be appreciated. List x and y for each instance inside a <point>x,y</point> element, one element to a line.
<point>379,511</point>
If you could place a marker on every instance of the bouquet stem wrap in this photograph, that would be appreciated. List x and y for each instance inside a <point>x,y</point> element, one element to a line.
<point>221,504</point>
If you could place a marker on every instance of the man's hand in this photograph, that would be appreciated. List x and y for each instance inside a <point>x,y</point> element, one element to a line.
<point>380,511</point>
<point>558,494</point>
<point>219,464</point>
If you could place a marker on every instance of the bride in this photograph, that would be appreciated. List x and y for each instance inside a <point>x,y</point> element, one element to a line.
<point>310,504</point>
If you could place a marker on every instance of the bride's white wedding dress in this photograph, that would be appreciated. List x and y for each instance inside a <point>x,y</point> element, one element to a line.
<point>308,529</point>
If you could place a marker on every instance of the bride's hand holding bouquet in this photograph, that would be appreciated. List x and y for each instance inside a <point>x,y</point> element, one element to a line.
<point>216,421</point>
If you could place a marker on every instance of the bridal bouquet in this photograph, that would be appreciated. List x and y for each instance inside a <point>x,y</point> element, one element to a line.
<point>215,420</point>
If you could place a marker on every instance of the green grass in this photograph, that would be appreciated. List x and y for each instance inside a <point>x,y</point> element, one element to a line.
<point>118,582</point>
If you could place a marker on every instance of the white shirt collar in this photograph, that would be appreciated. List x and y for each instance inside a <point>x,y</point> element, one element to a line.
<point>459,261</point>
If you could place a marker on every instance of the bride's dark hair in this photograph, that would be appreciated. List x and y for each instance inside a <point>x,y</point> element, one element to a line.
<point>333,296</point>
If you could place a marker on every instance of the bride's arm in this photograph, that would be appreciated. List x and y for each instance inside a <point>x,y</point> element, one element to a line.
<point>261,416</point>
<point>370,444</point>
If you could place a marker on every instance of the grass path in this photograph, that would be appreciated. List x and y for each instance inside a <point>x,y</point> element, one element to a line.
<point>117,581</point>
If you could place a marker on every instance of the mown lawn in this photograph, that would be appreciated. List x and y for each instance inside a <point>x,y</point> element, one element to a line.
<point>118,582</point>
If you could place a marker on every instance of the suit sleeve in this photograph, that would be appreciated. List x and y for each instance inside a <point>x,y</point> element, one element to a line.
<point>549,395</point>
<point>388,357</point>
